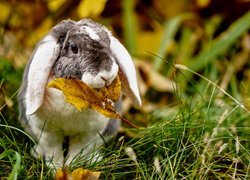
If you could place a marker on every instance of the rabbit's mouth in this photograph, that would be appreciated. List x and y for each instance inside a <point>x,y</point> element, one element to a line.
<point>101,79</point>
<point>108,80</point>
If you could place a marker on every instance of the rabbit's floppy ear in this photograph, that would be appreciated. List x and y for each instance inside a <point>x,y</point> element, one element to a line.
<point>127,70</point>
<point>41,64</point>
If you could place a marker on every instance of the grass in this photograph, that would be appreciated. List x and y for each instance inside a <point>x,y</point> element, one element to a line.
<point>203,134</point>
<point>196,138</point>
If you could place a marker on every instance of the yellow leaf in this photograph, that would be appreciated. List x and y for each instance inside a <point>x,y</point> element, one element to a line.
<point>62,174</point>
<point>84,174</point>
<point>82,96</point>
<point>90,8</point>
<point>77,174</point>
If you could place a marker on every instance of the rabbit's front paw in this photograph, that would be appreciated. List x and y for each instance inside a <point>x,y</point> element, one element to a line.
<point>52,158</point>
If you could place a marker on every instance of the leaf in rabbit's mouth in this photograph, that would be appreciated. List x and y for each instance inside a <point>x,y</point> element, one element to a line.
<point>82,96</point>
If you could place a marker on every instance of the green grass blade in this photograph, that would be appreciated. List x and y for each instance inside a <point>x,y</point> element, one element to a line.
<point>17,166</point>
<point>130,25</point>
<point>4,154</point>
<point>17,129</point>
<point>14,173</point>
<point>221,44</point>
<point>170,30</point>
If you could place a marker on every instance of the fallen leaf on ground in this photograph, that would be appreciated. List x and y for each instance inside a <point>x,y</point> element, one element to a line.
<point>82,96</point>
<point>77,174</point>
<point>152,78</point>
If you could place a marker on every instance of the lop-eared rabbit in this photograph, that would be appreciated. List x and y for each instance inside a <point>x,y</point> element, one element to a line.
<point>84,50</point>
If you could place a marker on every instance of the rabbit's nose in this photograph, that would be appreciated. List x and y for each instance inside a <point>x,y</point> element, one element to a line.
<point>104,78</point>
<point>109,76</point>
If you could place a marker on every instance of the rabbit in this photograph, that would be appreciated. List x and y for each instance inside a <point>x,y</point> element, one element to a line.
<point>84,50</point>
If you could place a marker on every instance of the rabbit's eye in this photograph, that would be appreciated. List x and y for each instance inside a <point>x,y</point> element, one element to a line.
<point>74,48</point>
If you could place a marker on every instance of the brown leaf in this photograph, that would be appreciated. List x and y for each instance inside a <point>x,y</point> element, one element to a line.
<point>153,78</point>
<point>82,96</point>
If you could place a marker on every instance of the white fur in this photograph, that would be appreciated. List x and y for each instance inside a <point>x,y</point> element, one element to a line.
<point>126,64</point>
<point>62,119</point>
<point>40,67</point>
<point>93,81</point>
<point>103,78</point>
<point>91,32</point>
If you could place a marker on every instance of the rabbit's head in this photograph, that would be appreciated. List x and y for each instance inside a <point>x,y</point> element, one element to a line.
<point>85,54</point>
<point>84,50</point>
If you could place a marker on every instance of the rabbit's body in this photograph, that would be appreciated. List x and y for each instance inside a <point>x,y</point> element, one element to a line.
<point>56,119</point>
<point>82,50</point>
<point>64,118</point>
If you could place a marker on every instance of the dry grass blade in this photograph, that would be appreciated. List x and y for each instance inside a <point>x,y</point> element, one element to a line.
<point>182,67</point>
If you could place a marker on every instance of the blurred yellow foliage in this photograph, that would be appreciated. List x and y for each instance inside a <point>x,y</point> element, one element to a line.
<point>5,11</point>
<point>202,3</point>
<point>40,32</point>
<point>170,8</point>
<point>55,4</point>
<point>149,40</point>
<point>90,8</point>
